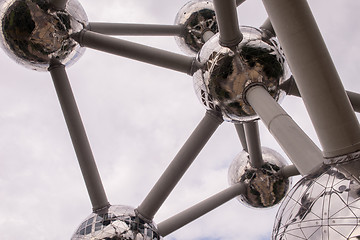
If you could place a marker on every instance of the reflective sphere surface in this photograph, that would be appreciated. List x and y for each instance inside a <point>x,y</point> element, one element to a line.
<point>222,82</point>
<point>197,17</point>
<point>323,205</point>
<point>265,188</point>
<point>116,223</point>
<point>32,33</point>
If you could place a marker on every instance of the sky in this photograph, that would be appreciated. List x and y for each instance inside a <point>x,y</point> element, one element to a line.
<point>137,117</point>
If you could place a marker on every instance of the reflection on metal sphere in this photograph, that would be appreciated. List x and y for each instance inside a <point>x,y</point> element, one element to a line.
<point>197,17</point>
<point>116,222</point>
<point>323,205</point>
<point>227,73</point>
<point>32,32</point>
<point>265,188</point>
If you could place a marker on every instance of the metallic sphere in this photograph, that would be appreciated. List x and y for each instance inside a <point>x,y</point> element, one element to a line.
<point>115,223</point>
<point>197,18</point>
<point>227,73</point>
<point>32,32</point>
<point>322,205</point>
<point>265,188</point>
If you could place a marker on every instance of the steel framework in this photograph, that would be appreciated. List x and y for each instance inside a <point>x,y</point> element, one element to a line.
<point>314,73</point>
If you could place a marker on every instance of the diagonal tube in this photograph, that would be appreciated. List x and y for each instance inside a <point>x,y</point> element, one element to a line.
<point>241,133</point>
<point>58,4</point>
<point>135,29</point>
<point>177,168</point>
<point>291,88</point>
<point>253,144</point>
<point>300,149</point>
<point>315,74</point>
<point>78,136</point>
<point>288,171</point>
<point>227,20</point>
<point>181,219</point>
<point>136,51</point>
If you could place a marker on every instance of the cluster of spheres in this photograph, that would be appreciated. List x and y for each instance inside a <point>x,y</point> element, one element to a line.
<point>324,205</point>
<point>264,186</point>
<point>32,32</point>
<point>116,223</point>
<point>227,73</point>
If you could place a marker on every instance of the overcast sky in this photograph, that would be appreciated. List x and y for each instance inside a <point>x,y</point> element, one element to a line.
<point>137,117</point>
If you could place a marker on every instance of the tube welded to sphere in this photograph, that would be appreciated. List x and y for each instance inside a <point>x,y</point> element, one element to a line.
<point>227,20</point>
<point>135,29</point>
<point>181,219</point>
<point>136,51</point>
<point>289,171</point>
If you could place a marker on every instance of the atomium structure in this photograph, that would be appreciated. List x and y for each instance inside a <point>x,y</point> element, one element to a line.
<point>240,75</point>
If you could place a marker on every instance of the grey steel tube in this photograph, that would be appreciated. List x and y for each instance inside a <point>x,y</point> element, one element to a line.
<point>301,150</point>
<point>289,171</point>
<point>179,165</point>
<point>227,20</point>
<point>58,4</point>
<point>290,87</point>
<point>136,51</point>
<point>317,79</point>
<point>241,133</point>
<point>78,136</point>
<point>253,144</point>
<point>172,224</point>
<point>135,29</point>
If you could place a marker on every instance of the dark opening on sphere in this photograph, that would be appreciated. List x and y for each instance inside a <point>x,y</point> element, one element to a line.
<point>32,32</point>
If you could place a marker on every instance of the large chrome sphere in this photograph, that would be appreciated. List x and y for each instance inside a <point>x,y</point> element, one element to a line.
<point>227,73</point>
<point>323,205</point>
<point>197,17</point>
<point>115,223</point>
<point>265,188</point>
<point>32,32</point>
